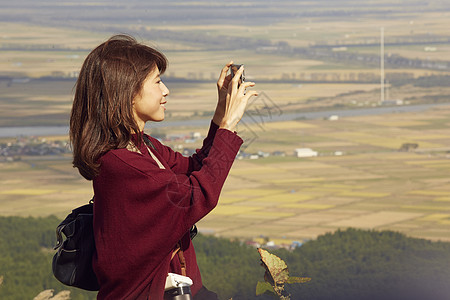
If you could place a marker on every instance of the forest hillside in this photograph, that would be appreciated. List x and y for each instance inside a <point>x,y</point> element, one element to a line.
<point>349,264</point>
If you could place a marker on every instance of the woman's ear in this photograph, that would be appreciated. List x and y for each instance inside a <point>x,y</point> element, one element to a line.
<point>133,101</point>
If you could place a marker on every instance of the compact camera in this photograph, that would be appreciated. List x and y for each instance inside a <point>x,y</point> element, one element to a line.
<point>234,68</point>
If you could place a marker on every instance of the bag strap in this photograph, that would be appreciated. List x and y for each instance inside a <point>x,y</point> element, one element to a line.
<point>179,248</point>
<point>148,142</point>
<point>182,260</point>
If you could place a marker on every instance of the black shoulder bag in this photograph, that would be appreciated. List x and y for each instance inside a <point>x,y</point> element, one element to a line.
<point>72,263</point>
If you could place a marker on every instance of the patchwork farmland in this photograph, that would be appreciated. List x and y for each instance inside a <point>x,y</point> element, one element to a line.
<point>370,185</point>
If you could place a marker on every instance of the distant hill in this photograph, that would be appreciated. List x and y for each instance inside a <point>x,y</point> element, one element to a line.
<point>351,264</point>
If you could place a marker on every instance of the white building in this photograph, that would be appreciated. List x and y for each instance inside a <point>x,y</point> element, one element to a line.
<point>196,135</point>
<point>392,102</point>
<point>305,152</point>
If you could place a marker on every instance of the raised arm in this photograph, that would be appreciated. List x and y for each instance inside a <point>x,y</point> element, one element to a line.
<point>232,100</point>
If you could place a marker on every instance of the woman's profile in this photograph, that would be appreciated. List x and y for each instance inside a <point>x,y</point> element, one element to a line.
<point>147,197</point>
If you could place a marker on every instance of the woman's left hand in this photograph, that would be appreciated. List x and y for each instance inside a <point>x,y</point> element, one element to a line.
<point>222,89</point>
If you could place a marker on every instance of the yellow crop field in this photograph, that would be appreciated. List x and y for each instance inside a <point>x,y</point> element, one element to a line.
<point>297,180</point>
<point>426,207</point>
<point>278,198</point>
<point>43,63</point>
<point>232,210</point>
<point>307,206</point>
<point>399,123</point>
<point>39,63</point>
<point>364,194</point>
<point>377,219</point>
<point>229,200</point>
<point>258,170</point>
<point>443,166</point>
<point>442,199</point>
<point>311,164</point>
<point>269,214</point>
<point>255,193</point>
<point>48,35</point>
<point>429,193</point>
<point>428,162</point>
<point>381,141</point>
<point>418,137</point>
<point>289,125</point>
<point>282,93</point>
<point>400,156</point>
<point>436,217</point>
<point>338,187</point>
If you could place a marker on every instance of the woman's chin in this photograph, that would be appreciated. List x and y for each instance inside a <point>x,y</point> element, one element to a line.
<point>157,120</point>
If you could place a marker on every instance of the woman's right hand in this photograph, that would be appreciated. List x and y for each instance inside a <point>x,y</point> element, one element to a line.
<point>236,101</point>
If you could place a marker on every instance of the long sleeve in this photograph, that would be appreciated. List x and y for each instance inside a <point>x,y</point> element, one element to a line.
<point>141,211</point>
<point>185,165</point>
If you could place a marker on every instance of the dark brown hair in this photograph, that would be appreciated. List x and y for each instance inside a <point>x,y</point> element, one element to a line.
<point>102,113</point>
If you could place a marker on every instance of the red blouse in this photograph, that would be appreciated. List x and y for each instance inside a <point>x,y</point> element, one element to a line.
<point>142,210</point>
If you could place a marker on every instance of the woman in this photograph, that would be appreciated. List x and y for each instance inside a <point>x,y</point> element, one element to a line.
<point>147,197</point>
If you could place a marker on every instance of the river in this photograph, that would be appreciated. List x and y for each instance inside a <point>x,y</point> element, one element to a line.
<point>64,130</point>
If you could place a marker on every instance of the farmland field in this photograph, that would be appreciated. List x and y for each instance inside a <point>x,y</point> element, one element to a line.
<point>36,51</point>
<point>304,56</point>
<point>371,185</point>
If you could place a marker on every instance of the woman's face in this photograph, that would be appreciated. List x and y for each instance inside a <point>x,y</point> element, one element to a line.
<point>148,105</point>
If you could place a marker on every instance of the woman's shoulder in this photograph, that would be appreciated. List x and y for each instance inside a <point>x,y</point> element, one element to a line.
<point>123,160</point>
<point>128,152</point>
<point>116,158</point>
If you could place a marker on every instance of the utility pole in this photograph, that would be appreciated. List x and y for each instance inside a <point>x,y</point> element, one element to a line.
<point>382,64</point>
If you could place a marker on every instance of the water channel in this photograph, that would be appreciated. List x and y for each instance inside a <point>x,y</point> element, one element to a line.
<point>266,117</point>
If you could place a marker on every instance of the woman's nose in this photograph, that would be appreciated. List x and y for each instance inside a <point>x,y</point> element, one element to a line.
<point>165,90</point>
